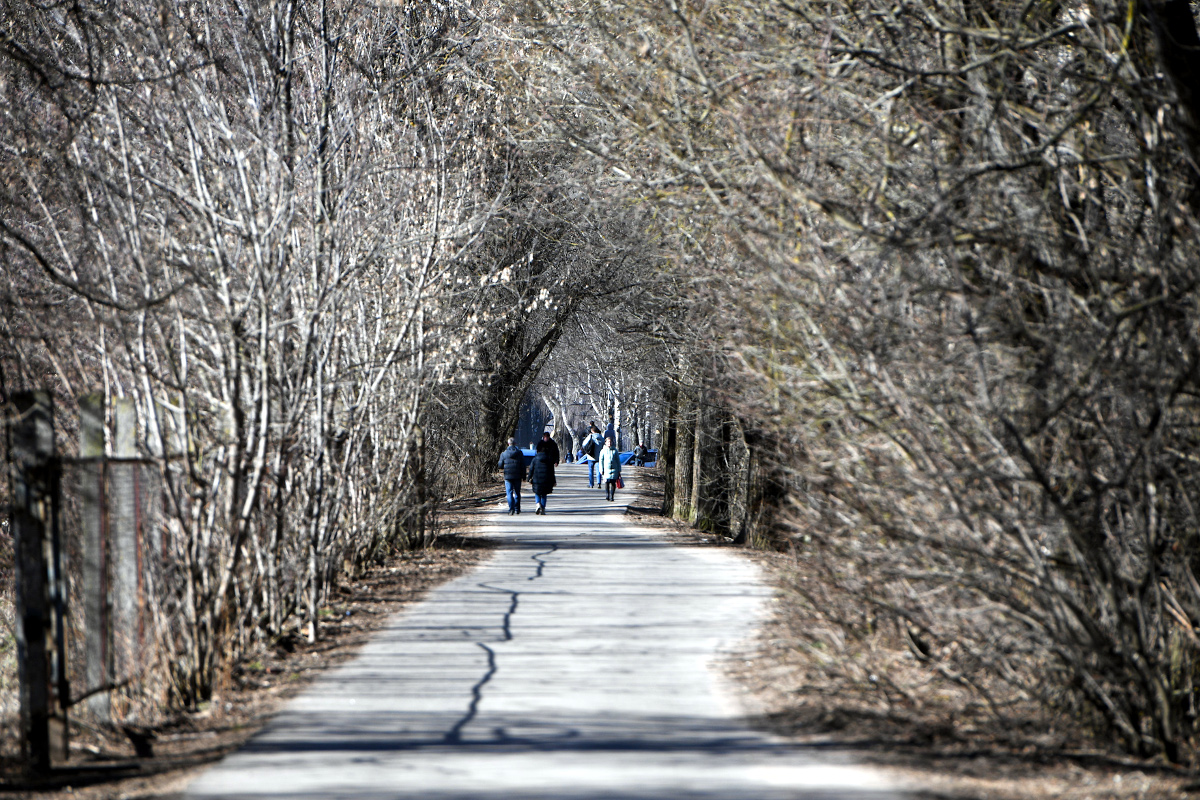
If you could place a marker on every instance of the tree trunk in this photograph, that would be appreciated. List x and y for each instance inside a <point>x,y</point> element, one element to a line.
<point>764,489</point>
<point>666,450</point>
<point>516,367</point>
<point>563,435</point>
<point>739,522</point>
<point>723,465</point>
<point>713,470</point>
<point>699,474</point>
<point>617,417</point>
<point>685,441</point>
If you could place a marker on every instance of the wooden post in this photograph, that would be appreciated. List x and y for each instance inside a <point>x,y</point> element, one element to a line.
<point>41,588</point>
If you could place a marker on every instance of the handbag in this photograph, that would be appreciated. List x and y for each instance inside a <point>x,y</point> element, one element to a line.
<point>620,483</point>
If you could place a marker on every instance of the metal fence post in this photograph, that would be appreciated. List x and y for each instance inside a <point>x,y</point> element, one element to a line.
<point>123,558</point>
<point>41,587</point>
<point>92,502</point>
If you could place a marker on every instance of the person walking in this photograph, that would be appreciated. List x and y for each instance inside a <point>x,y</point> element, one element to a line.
<point>541,477</point>
<point>549,445</point>
<point>639,455</point>
<point>592,444</point>
<point>512,461</point>
<point>609,465</point>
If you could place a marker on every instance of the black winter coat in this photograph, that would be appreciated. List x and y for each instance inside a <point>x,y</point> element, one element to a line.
<point>512,461</point>
<point>551,447</point>
<point>541,473</point>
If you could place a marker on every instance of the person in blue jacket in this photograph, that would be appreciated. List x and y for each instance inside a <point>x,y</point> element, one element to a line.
<point>609,467</point>
<point>512,461</point>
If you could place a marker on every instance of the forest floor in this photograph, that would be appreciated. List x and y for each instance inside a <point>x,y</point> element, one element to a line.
<point>790,690</point>
<point>786,694</point>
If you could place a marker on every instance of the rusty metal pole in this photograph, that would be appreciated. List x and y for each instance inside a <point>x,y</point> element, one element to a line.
<point>41,596</point>
<point>93,498</point>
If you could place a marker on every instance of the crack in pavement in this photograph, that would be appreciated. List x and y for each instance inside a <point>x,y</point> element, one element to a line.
<point>454,735</point>
<point>506,624</point>
<point>541,562</point>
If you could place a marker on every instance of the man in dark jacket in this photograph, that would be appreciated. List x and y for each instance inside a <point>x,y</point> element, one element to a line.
<point>551,447</point>
<point>512,461</point>
<point>639,455</point>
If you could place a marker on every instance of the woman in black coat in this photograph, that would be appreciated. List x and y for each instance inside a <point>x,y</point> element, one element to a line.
<point>541,477</point>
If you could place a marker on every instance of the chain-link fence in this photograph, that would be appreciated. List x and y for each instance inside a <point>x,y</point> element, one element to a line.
<point>114,545</point>
<point>83,626</point>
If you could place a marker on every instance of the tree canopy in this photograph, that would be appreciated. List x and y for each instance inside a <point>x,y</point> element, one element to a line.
<point>906,289</point>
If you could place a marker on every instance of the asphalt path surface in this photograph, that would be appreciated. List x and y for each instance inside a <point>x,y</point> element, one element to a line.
<point>576,664</point>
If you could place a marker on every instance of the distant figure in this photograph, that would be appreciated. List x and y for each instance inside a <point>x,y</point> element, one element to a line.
<point>590,451</point>
<point>550,446</point>
<point>512,461</point>
<point>639,455</point>
<point>541,477</point>
<point>610,468</point>
<point>611,433</point>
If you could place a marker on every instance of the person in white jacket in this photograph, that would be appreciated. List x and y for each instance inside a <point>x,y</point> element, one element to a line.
<point>609,467</point>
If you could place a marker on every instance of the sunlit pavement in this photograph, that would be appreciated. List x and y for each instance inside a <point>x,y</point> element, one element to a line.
<point>575,664</point>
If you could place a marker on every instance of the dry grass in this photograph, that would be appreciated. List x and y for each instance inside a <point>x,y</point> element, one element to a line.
<point>104,763</point>
<point>867,695</point>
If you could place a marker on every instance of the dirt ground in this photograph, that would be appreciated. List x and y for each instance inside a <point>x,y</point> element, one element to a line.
<point>780,690</point>
<point>104,766</point>
<point>786,693</point>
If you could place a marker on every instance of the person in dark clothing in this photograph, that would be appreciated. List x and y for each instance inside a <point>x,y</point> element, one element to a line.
<point>550,446</point>
<point>512,461</point>
<point>541,477</point>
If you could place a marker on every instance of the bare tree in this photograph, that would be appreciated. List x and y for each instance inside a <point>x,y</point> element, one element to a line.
<point>958,238</point>
<point>259,218</point>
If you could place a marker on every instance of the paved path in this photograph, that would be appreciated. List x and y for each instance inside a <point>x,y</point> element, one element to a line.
<point>574,665</point>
